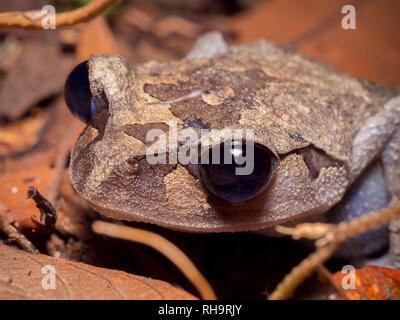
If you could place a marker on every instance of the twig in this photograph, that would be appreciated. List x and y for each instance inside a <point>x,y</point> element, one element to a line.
<point>162,245</point>
<point>298,274</point>
<point>306,230</point>
<point>329,243</point>
<point>327,275</point>
<point>22,20</point>
<point>13,234</point>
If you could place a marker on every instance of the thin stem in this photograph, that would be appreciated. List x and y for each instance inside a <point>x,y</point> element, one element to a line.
<point>162,245</point>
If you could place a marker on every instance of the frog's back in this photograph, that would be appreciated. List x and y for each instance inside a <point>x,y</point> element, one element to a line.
<point>292,101</point>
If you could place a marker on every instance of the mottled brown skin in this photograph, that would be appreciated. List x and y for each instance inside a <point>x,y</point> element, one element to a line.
<point>323,126</point>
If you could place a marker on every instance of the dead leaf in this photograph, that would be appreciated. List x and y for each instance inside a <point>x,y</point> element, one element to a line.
<point>17,177</point>
<point>176,24</point>
<point>35,168</point>
<point>148,31</point>
<point>372,283</point>
<point>10,49</point>
<point>38,73</point>
<point>21,278</point>
<point>89,36</point>
<point>22,134</point>
<point>21,5</point>
<point>72,211</point>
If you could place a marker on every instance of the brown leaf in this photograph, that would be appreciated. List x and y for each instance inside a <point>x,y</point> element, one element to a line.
<point>176,24</point>
<point>22,134</point>
<point>35,168</point>
<point>72,211</point>
<point>89,36</point>
<point>147,31</point>
<point>21,5</point>
<point>17,176</point>
<point>38,73</point>
<point>372,283</point>
<point>21,278</point>
<point>315,30</point>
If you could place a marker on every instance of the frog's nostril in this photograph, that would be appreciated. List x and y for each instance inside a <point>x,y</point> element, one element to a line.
<point>78,95</point>
<point>241,170</point>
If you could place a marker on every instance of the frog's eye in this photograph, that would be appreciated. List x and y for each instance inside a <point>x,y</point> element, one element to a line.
<point>236,171</point>
<point>78,96</point>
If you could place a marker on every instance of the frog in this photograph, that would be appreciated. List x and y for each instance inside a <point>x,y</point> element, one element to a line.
<point>327,142</point>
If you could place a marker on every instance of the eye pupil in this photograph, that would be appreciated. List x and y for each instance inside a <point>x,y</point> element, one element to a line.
<point>77,92</point>
<point>222,179</point>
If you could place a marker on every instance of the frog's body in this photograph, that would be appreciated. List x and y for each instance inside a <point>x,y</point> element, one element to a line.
<point>324,127</point>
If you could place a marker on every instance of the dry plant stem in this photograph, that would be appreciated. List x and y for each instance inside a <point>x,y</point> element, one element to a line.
<point>162,245</point>
<point>324,272</point>
<point>298,274</point>
<point>331,241</point>
<point>310,231</point>
<point>13,234</point>
<point>20,20</point>
<point>345,230</point>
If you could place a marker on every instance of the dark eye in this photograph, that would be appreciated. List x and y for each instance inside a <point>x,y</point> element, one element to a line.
<point>243,170</point>
<point>78,96</point>
<point>77,92</point>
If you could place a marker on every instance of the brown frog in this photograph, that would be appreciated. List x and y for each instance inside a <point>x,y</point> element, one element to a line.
<point>329,142</point>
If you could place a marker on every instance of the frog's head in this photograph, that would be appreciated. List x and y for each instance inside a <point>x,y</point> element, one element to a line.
<point>300,155</point>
